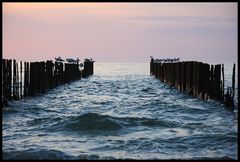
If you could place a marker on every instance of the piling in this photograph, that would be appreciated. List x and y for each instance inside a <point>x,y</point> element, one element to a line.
<point>88,68</point>
<point>20,80</point>
<point>223,80</point>
<point>195,78</point>
<point>32,78</point>
<point>233,81</point>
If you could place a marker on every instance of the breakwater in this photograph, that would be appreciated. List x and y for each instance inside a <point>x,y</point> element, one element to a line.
<point>195,78</point>
<point>22,79</point>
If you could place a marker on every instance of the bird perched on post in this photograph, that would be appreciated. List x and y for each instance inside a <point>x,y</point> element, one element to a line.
<point>59,59</point>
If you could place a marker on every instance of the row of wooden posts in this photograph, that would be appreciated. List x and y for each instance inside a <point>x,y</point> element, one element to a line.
<point>196,79</point>
<point>24,79</point>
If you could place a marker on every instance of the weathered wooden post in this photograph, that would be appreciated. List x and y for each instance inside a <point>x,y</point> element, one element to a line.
<point>49,74</point>
<point>25,80</point>
<point>188,78</point>
<point>55,75</point>
<point>4,81</point>
<point>211,83</point>
<point>21,80</point>
<point>233,81</point>
<point>223,86</point>
<point>9,79</point>
<point>172,75</point>
<point>229,96</point>
<point>179,76</point>
<point>45,77</point>
<point>14,80</point>
<point>31,81</point>
<point>206,74</point>
<point>194,75</point>
<point>176,81</point>
<point>151,66</point>
<point>156,68</point>
<point>159,70</point>
<point>61,73</point>
<point>183,87</point>
<point>88,67</point>
<point>18,82</point>
<point>38,77</point>
<point>200,78</point>
<point>42,76</point>
<point>217,78</point>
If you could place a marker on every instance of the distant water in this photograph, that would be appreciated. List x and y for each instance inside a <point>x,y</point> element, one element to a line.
<point>121,112</point>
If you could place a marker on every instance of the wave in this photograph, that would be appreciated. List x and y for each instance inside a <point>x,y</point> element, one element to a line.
<point>35,154</point>
<point>94,121</point>
<point>51,154</point>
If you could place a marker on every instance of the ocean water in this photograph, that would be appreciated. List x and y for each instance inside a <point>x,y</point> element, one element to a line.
<point>121,112</point>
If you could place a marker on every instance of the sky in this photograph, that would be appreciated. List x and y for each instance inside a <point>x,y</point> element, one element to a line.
<point>120,32</point>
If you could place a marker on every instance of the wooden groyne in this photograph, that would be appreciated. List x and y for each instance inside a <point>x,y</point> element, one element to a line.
<point>23,79</point>
<point>195,78</point>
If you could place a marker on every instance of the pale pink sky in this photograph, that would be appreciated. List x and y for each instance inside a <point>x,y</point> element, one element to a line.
<point>120,32</point>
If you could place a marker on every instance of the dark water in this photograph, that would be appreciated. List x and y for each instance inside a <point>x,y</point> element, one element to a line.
<point>119,113</point>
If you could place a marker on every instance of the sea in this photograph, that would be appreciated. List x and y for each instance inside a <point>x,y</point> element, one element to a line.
<point>120,112</point>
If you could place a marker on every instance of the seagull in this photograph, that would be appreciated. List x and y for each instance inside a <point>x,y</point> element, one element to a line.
<point>59,59</point>
<point>70,60</point>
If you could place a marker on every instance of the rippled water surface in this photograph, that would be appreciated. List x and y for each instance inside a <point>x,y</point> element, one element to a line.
<point>121,112</point>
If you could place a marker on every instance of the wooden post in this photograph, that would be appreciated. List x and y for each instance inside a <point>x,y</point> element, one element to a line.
<point>67,73</point>
<point>195,79</point>
<point>189,78</point>
<point>55,74</point>
<point>4,79</point>
<point>151,66</point>
<point>200,78</point>
<point>45,77</point>
<point>211,82</point>
<point>92,67</point>
<point>32,86</point>
<point>87,66</point>
<point>163,72</point>
<point>217,78</point>
<point>9,80</point>
<point>14,80</point>
<point>157,70</point>
<point>183,87</point>
<point>61,73</point>
<point>37,78</point>
<point>49,75</point>
<point>17,81</point>
<point>172,65</point>
<point>223,85</point>
<point>21,80</point>
<point>25,80</point>
<point>179,76</point>
<point>233,81</point>
<point>188,88</point>
<point>41,73</point>
<point>176,81</point>
<point>206,81</point>
<point>154,69</point>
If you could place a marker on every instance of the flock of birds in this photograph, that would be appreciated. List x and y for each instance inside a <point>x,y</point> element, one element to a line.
<point>165,60</point>
<point>74,61</point>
